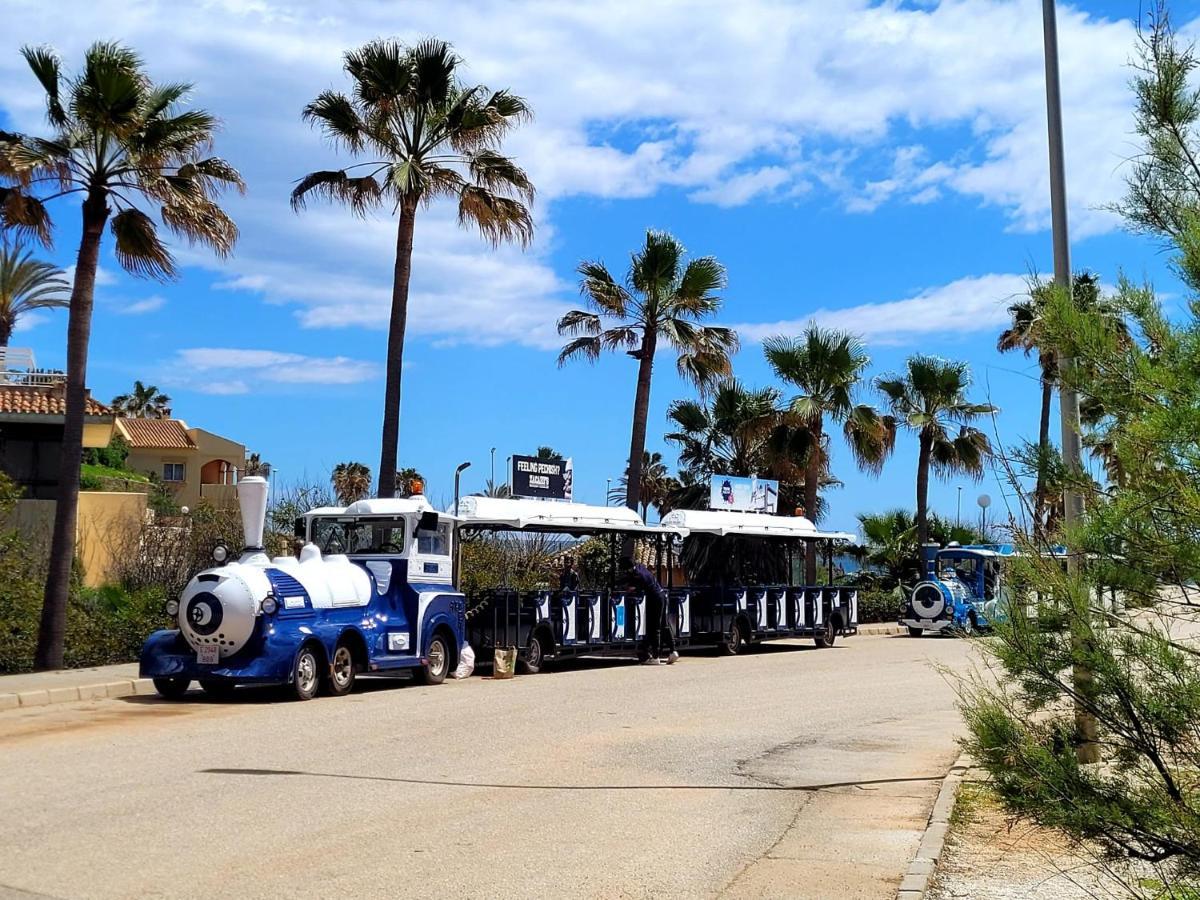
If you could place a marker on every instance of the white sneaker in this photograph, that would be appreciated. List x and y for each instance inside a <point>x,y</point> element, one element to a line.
<point>672,658</point>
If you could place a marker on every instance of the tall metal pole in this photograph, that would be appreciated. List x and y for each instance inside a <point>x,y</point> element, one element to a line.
<point>493,467</point>
<point>958,515</point>
<point>1088,747</point>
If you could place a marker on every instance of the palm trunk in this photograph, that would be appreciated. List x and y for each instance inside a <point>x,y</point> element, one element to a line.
<point>641,412</point>
<point>812,478</point>
<point>1039,493</point>
<point>923,491</point>
<point>6,330</point>
<point>395,354</point>
<point>53,628</point>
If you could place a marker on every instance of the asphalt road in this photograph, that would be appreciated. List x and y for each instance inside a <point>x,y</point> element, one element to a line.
<point>790,772</point>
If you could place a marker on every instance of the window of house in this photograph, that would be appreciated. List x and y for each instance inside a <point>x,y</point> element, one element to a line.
<point>174,472</point>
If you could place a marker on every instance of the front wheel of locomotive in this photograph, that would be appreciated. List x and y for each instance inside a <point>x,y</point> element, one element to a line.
<point>438,666</point>
<point>173,687</point>
<point>306,674</point>
<point>915,632</point>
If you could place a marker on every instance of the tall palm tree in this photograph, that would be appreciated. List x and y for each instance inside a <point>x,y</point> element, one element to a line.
<point>351,482</point>
<point>661,299</point>
<point>27,284</point>
<point>739,431</point>
<point>425,135</point>
<point>930,399</point>
<point>143,402</point>
<point>827,367</point>
<point>123,145</point>
<point>1026,332</point>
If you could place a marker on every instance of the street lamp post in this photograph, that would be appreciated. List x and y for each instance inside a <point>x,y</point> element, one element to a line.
<point>457,474</point>
<point>1087,734</point>
<point>607,490</point>
<point>958,515</point>
<point>493,467</point>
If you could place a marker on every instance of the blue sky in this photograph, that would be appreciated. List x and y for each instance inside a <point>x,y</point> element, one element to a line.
<point>876,166</point>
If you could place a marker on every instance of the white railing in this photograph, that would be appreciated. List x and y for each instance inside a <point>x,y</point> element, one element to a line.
<point>31,378</point>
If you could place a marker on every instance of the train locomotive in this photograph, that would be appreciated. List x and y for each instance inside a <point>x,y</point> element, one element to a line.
<point>371,592</point>
<point>963,590</point>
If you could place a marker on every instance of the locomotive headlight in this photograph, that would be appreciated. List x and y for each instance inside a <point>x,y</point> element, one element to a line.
<point>220,554</point>
<point>269,606</point>
<point>171,608</point>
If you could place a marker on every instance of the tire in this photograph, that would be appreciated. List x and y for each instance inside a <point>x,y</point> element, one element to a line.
<point>438,667</point>
<point>535,655</point>
<point>340,679</point>
<point>827,637</point>
<point>970,626</point>
<point>306,674</point>
<point>915,632</point>
<point>173,687</point>
<point>218,688</point>
<point>733,645</point>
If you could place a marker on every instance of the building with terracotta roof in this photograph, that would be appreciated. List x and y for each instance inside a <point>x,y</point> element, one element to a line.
<point>33,408</point>
<point>195,464</point>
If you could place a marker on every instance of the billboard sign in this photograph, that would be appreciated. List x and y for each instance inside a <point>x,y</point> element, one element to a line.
<point>752,494</point>
<point>544,479</point>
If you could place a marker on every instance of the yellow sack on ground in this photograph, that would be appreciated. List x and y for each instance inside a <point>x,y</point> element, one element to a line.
<point>506,663</point>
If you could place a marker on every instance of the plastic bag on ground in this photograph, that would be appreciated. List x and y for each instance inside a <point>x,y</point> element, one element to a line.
<point>505,663</point>
<point>466,662</point>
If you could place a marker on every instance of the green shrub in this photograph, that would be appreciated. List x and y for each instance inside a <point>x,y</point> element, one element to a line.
<point>878,606</point>
<point>111,457</point>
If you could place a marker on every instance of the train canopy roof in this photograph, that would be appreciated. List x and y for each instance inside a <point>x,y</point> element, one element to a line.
<point>726,522</point>
<point>380,506</point>
<point>514,514</point>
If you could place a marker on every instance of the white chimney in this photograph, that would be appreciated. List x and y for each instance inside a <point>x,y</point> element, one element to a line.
<point>252,496</point>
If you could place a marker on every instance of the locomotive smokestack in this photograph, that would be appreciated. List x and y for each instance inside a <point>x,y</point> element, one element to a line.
<point>252,497</point>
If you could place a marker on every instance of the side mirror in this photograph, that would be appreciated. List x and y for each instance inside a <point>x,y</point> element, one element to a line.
<point>428,521</point>
<point>298,527</point>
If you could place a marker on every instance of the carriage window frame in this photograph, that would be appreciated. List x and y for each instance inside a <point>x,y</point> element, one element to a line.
<point>441,535</point>
<point>351,524</point>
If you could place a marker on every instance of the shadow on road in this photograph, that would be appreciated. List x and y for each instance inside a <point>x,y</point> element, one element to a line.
<point>577,787</point>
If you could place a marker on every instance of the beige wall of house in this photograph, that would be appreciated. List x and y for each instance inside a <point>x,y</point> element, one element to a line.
<point>205,471</point>
<point>97,434</point>
<point>108,522</point>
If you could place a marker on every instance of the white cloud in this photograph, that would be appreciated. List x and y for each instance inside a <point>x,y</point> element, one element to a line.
<point>966,306</point>
<point>234,370</point>
<point>141,307</point>
<point>729,103</point>
<point>29,321</point>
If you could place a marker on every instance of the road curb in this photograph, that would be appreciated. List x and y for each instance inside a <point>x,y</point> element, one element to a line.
<point>916,880</point>
<point>881,628</point>
<point>125,687</point>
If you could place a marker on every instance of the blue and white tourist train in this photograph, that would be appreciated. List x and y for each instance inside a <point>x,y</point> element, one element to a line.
<point>372,591</point>
<point>963,592</point>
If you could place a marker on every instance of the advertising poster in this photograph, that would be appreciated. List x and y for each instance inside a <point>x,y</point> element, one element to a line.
<point>752,494</point>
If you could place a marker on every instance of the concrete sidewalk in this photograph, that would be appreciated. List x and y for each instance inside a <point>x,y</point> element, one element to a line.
<point>69,685</point>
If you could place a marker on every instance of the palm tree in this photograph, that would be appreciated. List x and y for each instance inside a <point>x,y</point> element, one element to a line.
<point>739,431</point>
<point>658,485</point>
<point>119,141</point>
<point>930,399</point>
<point>547,453</point>
<point>143,402</point>
<point>827,367</point>
<point>351,481</point>
<point>1026,332</point>
<point>491,489</point>
<point>27,284</point>
<point>425,135</point>
<point>253,465</point>
<point>662,298</point>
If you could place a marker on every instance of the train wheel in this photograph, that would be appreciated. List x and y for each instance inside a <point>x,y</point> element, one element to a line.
<point>827,636</point>
<point>217,688</point>
<point>915,632</point>
<point>306,676</point>
<point>342,672</point>
<point>535,656</point>
<point>734,643</point>
<point>435,671</point>
<point>172,688</point>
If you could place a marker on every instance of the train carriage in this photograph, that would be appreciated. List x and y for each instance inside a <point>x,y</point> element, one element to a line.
<point>372,591</point>
<point>744,589</point>
<point>602,620</point>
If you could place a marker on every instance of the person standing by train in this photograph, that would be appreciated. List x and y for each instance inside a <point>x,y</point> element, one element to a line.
<point>659,637</point>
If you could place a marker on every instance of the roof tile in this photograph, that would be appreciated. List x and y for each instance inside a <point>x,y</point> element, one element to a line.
<point>159,433</point>
<point>42,401</point>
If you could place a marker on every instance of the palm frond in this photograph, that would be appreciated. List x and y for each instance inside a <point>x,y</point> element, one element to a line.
<point>587,347</point>
<point>202,222</point>
<point>579,321</point>
<point>701,278</point>
<point>494,172</point>
<point>870,436</point>
<point>360,194</point>
<point>338,119</point>
<point>47,68</point>
<point>602,289</point>
<point>138,247</point>
<point>24,215</point>
<point>499,219</point>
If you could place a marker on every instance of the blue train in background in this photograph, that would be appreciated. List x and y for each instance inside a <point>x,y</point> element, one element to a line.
<point>371,591</point>
<point>963,590</point>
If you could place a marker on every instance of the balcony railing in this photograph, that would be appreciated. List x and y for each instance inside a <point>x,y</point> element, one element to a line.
<point>31,377</point>
<point>219,494</point>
